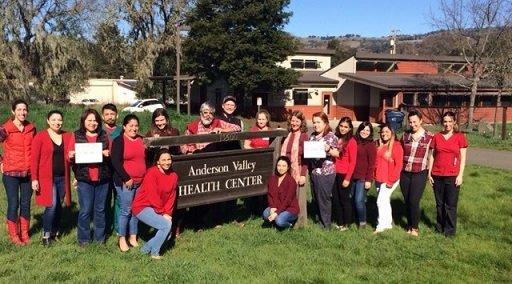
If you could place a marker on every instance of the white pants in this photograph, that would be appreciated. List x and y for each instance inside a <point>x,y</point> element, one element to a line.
<point>385,220</point>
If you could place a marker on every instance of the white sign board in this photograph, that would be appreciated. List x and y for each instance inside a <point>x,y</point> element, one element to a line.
<point>314,149</point>
<point>88,153</point>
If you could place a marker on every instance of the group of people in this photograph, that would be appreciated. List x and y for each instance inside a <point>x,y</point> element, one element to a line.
<point>143,184</point>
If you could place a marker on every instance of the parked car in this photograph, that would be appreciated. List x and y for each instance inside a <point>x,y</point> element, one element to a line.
<point>89,102</point>
<point>144,105</point>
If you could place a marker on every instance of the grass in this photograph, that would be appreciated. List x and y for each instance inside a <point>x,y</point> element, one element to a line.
<point>481,251</point>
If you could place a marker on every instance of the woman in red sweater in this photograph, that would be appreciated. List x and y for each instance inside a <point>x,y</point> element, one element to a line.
<point>155,201</point>
<point>129,163</point>
<point>50,174</point>
<point>365,169</point>
<point>345,163</point>
<point>283,207</point>
<point>17,134</point>
<point>293,148</point>
<point>446,168</point>
<point>262,124</point>
<point>387,174</point>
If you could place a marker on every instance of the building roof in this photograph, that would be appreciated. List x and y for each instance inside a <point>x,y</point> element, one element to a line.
<point>414,82</point>
<point>314,77</point>
<point>407,57</point>
<point>315,51</point>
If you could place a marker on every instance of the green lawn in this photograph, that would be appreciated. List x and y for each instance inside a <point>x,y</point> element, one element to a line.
<point>481,252</point>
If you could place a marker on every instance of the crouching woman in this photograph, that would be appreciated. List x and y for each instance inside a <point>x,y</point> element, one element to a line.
<point>155,200</point>
<point>283,207</point>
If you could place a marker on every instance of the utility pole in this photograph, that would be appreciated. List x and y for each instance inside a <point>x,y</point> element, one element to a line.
<point>393,41</point>
<point>178,53</point>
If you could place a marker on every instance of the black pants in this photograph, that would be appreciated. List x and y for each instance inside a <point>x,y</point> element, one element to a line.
<point>447,196</point>
<point>413,186</point>
<point>341,202</point>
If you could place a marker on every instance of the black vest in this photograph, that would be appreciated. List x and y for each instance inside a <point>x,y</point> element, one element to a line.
<point>82,170</point>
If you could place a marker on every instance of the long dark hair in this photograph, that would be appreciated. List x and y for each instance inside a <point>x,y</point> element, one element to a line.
<point>159,112</point>
<point>345,137</point>
<point>17,102</point>
<point>84,116</point>
<point>389,147</point>
<point>160,152</point>
<point>454,117</point>
<point>288,162</point>
<point>360,128</point>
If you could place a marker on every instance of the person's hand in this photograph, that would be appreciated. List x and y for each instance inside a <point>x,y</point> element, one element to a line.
<point>272,217</point>
<point>302,180</point>
<point>327,148</point>
<point>2,168</point>
<point>217,130</point>
<point>431,179</point>
<point>367,185</point>
<point>345,183</point>
<point>458,180</point>
<point>166,216</point>
<point>129,183</point>
<point>106,153</point>
<point>273,210</point>
<point>35,185</point>
<point>156,135</point>
<point>75,184</point>
<point>71,154</point>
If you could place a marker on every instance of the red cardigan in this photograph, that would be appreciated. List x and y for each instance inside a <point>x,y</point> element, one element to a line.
<point>388,169</point>
<point>42,169</point>
<point>346,162</point>
<point>158,191</point>
<point>284,196</point>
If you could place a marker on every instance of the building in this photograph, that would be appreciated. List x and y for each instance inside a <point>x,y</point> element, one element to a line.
<point>117,91</point>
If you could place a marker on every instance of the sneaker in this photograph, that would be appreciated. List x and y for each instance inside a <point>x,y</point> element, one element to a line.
<point>46,242</point>
<point>415,233</point>
<point>362,226</point>
<point>157,257</point>
<point>342,228</point>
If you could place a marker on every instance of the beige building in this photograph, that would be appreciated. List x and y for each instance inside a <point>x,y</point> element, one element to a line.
<point>117,91</point>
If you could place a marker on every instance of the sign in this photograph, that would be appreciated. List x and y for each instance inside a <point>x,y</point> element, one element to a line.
<point>314,149</point>
<point>88,153</point>
<point>207,178</point>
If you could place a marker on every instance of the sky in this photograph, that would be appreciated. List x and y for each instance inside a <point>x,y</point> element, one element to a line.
<point>372,18</point>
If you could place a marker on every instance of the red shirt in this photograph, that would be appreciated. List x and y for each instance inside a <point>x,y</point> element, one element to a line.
<point>158,191</point>
<point>94,170</point>
<point>259,142</point>
<point>388,168</point>
<point>447,154</point>
<point>346,162</point>
<point>134,159</point>
<point>283,196</point>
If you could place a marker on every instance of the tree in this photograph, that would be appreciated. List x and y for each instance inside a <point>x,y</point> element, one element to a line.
<point>240,41</point>
<point>342,52</point>
<point>474,25</point>
<point>41,47</point>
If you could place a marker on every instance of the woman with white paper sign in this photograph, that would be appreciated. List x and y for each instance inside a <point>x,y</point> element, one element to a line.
<point>323,169</point>
<point>50,174</point>
<point>128,161</point>
<point>89,156</point>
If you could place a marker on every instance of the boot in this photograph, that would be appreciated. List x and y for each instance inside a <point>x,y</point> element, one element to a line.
<point>12,230</point>
<point>24,227</point>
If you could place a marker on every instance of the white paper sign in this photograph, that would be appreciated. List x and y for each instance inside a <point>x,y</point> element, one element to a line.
<point>88,153</point>
<point>314,149</point>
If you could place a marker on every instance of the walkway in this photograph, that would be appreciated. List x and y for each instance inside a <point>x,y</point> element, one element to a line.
<point>490,158</point>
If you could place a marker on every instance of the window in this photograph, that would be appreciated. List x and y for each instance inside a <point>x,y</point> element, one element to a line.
<point>409,99</point>
<point>297,64</point>
<point>485,101</point>
<point>506,101</point>
<point>300,97</point>
<point>311,64</point>
<point>423,99</point>
<point>457,100</point>
<point>387,99</point>
<point>439,100</point>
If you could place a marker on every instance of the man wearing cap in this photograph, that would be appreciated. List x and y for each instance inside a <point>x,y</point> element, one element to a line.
<point>227,115</point>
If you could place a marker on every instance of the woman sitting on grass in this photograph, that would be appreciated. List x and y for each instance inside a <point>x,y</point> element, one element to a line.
<point>282,197</point>
<point>155,200</point>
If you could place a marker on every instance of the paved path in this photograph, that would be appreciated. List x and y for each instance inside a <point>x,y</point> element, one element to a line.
<point>490,158</point>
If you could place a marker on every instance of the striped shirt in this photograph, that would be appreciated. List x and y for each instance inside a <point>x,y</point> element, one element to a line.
<point>416,151</point>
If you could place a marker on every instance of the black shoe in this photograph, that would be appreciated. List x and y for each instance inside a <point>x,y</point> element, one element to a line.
<point>46,242</point>
<point>55,236</point>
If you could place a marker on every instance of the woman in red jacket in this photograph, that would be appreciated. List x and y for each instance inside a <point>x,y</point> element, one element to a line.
<point>446,168</point>
<point>155,200</point>
<point>387,174</point>
<point>262,124</point>
<point>283,207</point>
<point>17,134</point>
<point>345,163</point>
<point>50,173</point>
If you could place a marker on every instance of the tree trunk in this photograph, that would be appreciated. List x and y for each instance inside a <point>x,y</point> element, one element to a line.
<point>472,98</point>
<point>498,105</point>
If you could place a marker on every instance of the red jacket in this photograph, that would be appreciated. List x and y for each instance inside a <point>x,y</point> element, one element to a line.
<point>17,147</point>
<point>284,196</point>
<point>388,168</point>
<point>158,191</point>
<point>42,169</point>
<point>346,162</point>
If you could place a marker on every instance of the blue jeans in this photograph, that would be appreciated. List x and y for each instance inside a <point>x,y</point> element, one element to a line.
<point>92,198</point>
<point>19,194</point>
<point>151,218</point>
<point>283,219</point>
<point>126,222</point>
<point>359,197</point>
<point>51,215</point>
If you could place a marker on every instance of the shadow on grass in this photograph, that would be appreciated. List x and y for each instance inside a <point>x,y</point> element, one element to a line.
<point>68,221</point>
